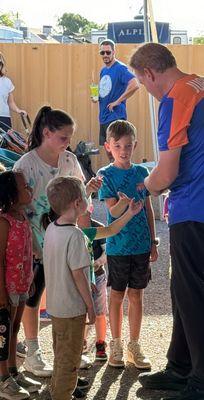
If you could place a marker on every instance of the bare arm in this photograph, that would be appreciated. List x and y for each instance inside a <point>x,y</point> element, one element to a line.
<point>130,90</point>
<point>117,207</point>
<point>4,229</point>
<point>151,223</point>
<point>12,105</point>
<point>165,172</point>
<point>115,227</point>
<point>82,285</point>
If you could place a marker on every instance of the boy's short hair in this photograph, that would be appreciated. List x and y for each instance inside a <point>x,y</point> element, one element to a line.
<point>120,128</point>
<point>62,191</point>
<point>154,56</point>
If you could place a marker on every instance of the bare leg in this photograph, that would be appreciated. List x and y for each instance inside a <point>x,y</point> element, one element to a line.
<point>100,326</point>
<point>135,297</point>
<point>31,322</point>
<point>116,312</point>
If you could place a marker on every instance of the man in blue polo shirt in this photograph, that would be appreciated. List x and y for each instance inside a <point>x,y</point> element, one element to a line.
<point>116,85</point>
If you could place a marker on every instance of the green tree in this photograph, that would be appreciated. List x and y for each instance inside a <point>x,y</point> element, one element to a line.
<point>75,23</point>
<point>7,19</point>
<point>198,40</point>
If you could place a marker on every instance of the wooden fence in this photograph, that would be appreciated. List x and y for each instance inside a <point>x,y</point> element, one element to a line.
<point>60,75</point>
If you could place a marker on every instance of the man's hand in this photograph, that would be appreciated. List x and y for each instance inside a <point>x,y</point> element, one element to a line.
<point>112,105</point>
<point>93,185</point>
<point>91,316</point>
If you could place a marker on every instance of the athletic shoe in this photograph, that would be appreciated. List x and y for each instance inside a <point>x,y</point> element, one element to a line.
<point>116,354</point>
<point>78,393</point>
<point>44,316</point>
<point>37,366</point>
<point>85,362</point>
<point>136,357</point>
<point>163,380</point>
<point>82,383</point>
<point>101,350</point>
<point>10,390</point>
<point>27,383</point>
<point>21,349</point>
<point>189,393</point>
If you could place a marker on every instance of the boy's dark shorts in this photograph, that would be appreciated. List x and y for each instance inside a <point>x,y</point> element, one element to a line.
<point>129,271</point>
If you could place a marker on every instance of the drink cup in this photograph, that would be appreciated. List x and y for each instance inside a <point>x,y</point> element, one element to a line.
<point>94,89</point>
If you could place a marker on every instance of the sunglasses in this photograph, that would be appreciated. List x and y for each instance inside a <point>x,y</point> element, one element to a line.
<point>102,52</point>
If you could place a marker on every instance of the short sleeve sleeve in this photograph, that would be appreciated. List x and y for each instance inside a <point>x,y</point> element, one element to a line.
<point>11,86</point>
<point>174,119</point>
<point>77,253</point>
<point>107,189</point>
<point>125,75</point>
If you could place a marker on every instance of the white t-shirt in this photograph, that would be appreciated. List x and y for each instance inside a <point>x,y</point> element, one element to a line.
<point>38,174</point>
<point>64,251</point>
<point>6,87</point>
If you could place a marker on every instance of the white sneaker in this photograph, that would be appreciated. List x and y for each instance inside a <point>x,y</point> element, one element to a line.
<point>136,356</point>
<point>10,390</point>
<point>85,362</point>
<point>116,354</point>
<point>27,383</point>
<point>37,365</point>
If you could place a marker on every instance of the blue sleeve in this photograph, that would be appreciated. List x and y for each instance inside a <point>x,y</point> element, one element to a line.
<point>107,190</point>
<point>164,126</point>
<point>125,75</point>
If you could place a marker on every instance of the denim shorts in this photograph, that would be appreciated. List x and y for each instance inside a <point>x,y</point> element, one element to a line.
<point>129,271</point>
<point>100,296</point>
<point>15,299</point>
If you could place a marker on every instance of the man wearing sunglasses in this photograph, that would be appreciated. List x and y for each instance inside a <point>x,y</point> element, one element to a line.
<point>116,85</point>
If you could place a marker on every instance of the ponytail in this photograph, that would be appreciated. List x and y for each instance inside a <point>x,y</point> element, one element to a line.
<point>52,119</point>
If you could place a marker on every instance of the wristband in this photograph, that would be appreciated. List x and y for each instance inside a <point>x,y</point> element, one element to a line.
<point>155,241</point>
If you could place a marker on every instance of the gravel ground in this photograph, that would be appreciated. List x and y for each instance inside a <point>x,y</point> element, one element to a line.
<point>117,384</point>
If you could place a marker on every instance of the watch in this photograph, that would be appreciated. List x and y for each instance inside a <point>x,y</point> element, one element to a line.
<point>155,241</point>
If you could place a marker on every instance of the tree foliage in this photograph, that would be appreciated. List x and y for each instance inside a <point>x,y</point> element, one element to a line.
<point>198,40</point>
<point>75,23</point>
<point>7,19</point>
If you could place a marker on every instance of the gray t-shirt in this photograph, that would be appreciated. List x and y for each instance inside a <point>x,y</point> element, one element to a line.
<point>64,251</point>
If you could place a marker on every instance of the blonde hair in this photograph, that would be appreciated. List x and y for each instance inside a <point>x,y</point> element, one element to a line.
<point>62,191</point>
<point>2,65</point>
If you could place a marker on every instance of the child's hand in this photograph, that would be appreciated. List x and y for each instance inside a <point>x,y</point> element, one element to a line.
<point>4,300</point>
<point>93,288</point>
<point>140,187</point>
<point>91,316</point>
<point>135,207</point>
<point>154,253</point>
<point>94,185</point>
<point>123,198</point>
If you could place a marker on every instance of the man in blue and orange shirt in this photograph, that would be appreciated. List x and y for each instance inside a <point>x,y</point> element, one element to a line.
<point>181,169</point>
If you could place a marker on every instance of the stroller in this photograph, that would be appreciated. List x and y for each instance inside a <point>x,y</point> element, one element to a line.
<point>13,140</point>
<point>83,151</point>
<point>12,143</point>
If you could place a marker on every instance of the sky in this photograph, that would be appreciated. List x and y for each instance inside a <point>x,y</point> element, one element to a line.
<point>181,14</point>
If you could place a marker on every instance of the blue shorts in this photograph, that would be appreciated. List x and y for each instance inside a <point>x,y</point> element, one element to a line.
<point>16,299</point>
<point>100,296</point>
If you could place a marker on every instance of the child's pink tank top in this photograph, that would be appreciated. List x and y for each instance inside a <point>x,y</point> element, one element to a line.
<point>19,270</point>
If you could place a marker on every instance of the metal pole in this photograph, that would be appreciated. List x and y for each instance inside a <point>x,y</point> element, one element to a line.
<point>146,22</point>
<point>151,99</point>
